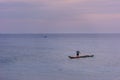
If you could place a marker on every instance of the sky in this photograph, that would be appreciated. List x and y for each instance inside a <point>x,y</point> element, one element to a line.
<point>59,16</point>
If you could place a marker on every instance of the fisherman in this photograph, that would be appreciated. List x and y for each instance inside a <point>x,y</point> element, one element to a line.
<point>77,53</point>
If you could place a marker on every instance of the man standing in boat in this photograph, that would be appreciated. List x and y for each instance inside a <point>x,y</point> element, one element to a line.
<point>77,53</point>
<point>79,56</point>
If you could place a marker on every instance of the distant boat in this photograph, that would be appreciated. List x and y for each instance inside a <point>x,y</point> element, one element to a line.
<point>84,56</point>
<point>45,36</point>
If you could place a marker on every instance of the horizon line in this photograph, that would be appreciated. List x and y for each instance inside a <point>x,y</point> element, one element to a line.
<point>60,33</point>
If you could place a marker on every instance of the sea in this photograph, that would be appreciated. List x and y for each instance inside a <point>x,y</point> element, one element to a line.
<point>45,56</point>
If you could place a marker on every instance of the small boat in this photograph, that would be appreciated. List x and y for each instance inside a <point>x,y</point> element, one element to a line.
<point>84,56</point>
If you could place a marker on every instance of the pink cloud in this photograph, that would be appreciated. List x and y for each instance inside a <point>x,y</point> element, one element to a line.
<point>60,15</point>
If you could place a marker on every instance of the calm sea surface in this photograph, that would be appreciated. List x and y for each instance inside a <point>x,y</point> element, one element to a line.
<point>45,57</point>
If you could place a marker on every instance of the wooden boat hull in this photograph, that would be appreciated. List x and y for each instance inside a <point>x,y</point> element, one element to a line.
<point>85,56</point>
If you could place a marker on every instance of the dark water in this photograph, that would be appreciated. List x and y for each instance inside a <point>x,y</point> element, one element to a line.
<point>45,57</point>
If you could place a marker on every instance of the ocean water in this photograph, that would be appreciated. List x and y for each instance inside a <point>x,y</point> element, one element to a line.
<point>45,57</point>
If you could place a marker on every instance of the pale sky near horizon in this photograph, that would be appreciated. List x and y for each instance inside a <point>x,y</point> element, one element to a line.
<point>59,16</point>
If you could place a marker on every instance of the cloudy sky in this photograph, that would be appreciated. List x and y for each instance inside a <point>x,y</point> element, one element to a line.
<point>59,16</point>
